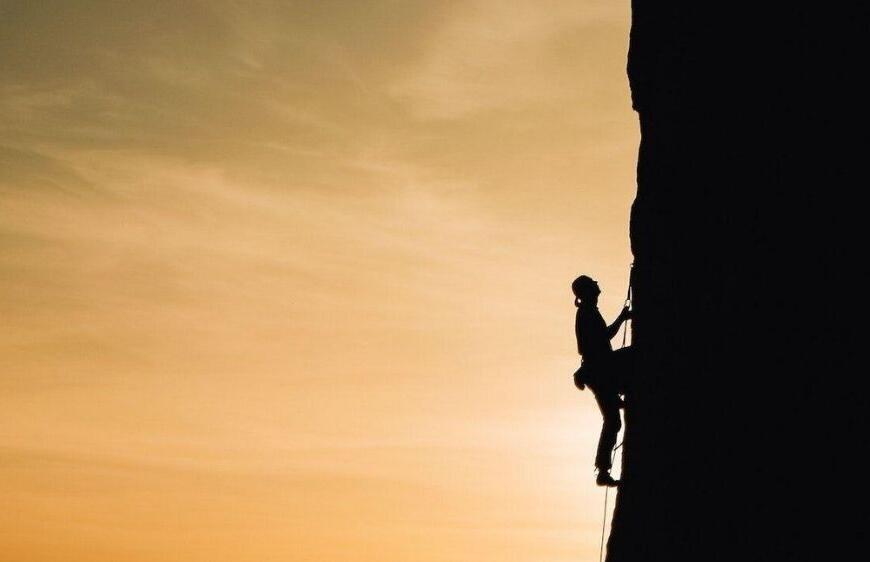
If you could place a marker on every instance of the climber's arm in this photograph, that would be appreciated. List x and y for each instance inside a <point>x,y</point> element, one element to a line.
<point>613,329</point>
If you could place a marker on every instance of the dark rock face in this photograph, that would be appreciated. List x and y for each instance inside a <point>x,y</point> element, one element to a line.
<point>746,269</point>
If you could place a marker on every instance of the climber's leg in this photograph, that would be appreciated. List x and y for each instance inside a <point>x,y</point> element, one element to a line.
<point>607,440</point>
<point>609,430</point>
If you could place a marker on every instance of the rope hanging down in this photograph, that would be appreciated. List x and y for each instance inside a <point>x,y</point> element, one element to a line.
<point>613,453</point>
<point>628,306</point>
<point>604,517</point>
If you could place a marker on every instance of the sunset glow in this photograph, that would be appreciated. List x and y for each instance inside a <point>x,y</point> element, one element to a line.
<point>289,281</point>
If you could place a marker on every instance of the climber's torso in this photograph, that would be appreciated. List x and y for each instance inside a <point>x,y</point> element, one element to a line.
<point>591,330</point>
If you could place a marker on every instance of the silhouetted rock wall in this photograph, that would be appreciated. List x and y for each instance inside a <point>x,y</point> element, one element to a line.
<point>743,232</point>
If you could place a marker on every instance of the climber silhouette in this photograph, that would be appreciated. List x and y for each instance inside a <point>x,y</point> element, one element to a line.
<point>604,371</point>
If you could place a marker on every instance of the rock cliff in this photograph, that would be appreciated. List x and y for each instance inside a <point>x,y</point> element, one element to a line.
<point>745,271</point>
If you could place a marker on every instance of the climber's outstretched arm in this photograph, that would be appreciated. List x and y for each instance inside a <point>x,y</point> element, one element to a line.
<point>613,329</point>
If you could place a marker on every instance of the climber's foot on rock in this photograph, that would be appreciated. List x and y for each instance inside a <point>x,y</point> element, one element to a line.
<point>605,479</point>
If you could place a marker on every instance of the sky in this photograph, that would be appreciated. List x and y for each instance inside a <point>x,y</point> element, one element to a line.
<point>290,281</point>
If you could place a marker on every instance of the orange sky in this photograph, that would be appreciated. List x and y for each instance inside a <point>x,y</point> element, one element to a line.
<point>289,281</point>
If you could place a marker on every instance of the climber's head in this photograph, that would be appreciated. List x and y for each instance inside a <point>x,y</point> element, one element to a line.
<point>585,289</point>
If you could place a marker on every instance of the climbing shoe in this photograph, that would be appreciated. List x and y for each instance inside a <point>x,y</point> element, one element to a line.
<point>605,479</point>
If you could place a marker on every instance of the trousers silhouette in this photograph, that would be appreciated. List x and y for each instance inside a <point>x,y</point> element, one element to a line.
<point>609,405</point>
<point>608,377</point>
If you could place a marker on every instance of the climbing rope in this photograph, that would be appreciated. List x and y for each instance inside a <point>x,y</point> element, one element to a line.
<point>604,517</point>
<point>627,305</point>
<point>613,453</point>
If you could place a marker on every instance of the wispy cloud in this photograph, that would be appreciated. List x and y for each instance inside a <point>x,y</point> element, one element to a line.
<point>490,55</point>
